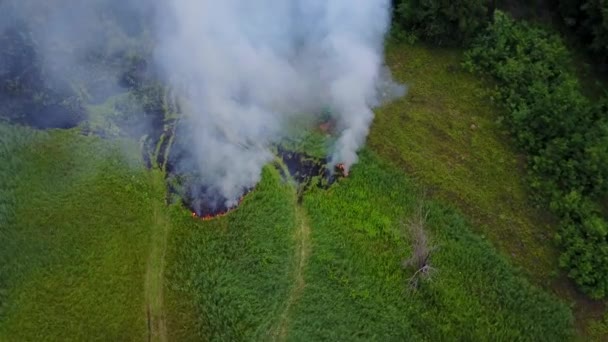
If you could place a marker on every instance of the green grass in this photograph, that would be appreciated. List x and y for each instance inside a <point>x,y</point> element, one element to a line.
<point>228,278</point>
<point>312,142</point>
<point>75,219</point>
<point>84,232</point>
<point>101,117</point>
<point>357,290</point>
<point>233,278</point>
<point>446,134</point>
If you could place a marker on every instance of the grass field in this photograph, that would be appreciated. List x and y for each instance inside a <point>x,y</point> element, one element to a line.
<point>75,226</point>
<point>91,251</point>
<point>331,270</point>
<point>358,290</point>
<point>447,135</point>
<point>228,278</point>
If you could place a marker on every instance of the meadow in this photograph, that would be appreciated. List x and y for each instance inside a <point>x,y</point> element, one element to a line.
<point>228,279</point>
<point>75,223</point>
<point>93,252</point>
<point>449,136</point>
<point>237,277</point>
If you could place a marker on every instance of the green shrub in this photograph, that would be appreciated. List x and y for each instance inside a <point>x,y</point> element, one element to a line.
<point>442,22</point>
<point>583,235</point>
<point>565,136</point>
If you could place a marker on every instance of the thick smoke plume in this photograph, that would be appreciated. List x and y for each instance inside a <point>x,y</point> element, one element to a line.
<point>242,69</point>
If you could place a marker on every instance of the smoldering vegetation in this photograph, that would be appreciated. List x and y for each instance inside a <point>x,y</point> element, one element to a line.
<point>189,186</point>
<point>25,96</point>
<point>241,71</point>
<point>234,73</point>
<point>62,60</point>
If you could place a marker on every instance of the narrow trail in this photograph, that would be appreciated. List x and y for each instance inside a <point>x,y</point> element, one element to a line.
<point>302,237</point>
<point>154,282</point>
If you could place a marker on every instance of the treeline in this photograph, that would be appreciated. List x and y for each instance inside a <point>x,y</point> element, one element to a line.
<point>442,22</point>
<point>453,22</point>
<point>564,134</point>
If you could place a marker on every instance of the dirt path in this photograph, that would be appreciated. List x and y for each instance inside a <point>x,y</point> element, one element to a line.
<point>157,329</point>
<point>302,237</point>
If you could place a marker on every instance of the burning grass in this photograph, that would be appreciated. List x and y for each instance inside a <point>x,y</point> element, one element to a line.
<point>300,159</point>
<point>207,204</point>
<point>189,189</point>
<point>305,169</point>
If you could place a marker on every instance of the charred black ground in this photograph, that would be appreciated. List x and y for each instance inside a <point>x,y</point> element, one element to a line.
<point>305,169</point>
<point>185,185</point>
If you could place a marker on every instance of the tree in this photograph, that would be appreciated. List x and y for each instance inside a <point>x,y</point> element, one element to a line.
<point>444,22</point>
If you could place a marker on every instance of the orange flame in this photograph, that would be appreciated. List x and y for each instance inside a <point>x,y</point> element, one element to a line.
<point>220,214</point>
<point>341,168</point>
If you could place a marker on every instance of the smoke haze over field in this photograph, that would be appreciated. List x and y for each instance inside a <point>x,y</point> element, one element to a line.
<point>239,70</point>
<point>242,69</point>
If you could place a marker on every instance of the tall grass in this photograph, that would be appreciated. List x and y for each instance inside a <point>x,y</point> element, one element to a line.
<point>228,279</point>
<point>75,218</point>
<point>358,290</point>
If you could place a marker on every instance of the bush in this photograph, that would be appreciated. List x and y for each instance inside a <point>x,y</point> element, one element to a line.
<point>583,235</point>
<point>565,136</point>
<point>442,22</point>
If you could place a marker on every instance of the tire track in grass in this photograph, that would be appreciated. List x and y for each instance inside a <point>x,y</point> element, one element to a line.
<point>302,237</point>
<point>154,282</point>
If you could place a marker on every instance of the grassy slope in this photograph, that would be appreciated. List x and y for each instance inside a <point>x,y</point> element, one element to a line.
<point>74,234</point>
<point>446,134</point>
<point>429,133</point>
<point>74,269</point>
<point>240,277</point>
<point>228,279</point>
<point>356,288</point>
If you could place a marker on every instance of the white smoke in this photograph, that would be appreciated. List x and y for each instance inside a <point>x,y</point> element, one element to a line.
<point>242,69</point>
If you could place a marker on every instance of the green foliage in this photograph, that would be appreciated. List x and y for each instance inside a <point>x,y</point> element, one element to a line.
<point>443,21</point>
<point>583,235</point>
<point>563,134</point>
<point>229,278</point>
<point>599,328</point>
